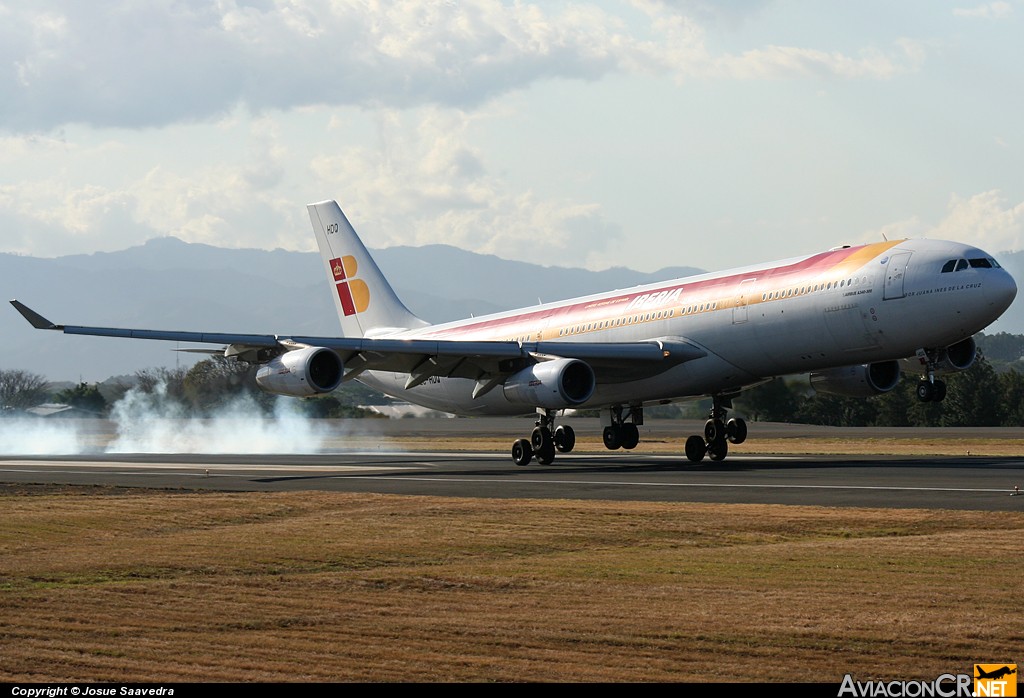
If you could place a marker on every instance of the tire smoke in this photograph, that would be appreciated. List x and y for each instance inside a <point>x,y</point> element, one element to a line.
<point>154,422</point>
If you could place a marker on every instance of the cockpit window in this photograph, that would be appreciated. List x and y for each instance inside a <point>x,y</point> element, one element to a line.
<point>976,263</point>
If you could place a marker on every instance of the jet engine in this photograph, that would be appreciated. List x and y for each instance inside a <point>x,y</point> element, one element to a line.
<point>301,373</point>
<point>957,357</point>
<point>864,380</point>
<point>552,384</point>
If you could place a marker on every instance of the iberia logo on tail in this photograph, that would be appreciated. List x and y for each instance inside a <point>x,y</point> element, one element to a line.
<point>354,293</point>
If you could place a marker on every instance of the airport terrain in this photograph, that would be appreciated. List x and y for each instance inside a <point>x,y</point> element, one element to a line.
<point>546,582</point>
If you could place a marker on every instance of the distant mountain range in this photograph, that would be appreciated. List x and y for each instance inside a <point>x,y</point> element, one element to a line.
<point>170,284</point>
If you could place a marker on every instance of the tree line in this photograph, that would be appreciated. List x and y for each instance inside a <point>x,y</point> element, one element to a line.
<point>990,393</point>
<point>977,397</point>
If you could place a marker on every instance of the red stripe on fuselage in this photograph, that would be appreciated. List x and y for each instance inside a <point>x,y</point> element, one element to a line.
<point>588,311</point>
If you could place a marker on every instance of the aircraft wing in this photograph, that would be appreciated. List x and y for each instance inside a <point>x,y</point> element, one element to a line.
<point>423,358</point>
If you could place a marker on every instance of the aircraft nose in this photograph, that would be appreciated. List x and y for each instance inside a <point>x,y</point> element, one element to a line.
<point>1000,290</point>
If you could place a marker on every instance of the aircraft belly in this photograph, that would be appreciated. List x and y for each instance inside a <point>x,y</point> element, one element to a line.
<point>703,376</point>
<point>452,395</point>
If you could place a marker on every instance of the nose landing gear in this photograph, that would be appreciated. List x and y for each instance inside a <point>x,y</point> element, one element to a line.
<point>930,389</point>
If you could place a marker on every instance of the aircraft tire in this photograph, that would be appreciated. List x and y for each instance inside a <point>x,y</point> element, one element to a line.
<point>546,455</point>
<point>713,429</point>
<point>736,430</point>
<point>925,391</point>
<point>695,449</point>
<point>565,439</point>
<point>522,453</point>
<point>612,437</point>
<point>541,438</point>
<point>718,450</point>
<point>630,436</point>
<point>940,391</point>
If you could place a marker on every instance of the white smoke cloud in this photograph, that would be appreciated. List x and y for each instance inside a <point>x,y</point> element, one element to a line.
<point>29,436</point>
<point>153,422</point>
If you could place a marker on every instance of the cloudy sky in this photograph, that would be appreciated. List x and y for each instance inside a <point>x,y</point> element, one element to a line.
<point>645,133</point>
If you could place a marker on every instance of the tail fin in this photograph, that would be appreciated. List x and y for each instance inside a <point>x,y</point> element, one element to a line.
<point>365,301</point>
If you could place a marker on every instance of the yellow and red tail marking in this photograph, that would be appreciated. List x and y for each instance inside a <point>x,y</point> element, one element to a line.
<point>353,293</point>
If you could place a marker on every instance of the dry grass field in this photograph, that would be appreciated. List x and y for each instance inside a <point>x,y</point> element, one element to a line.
<point>101,584</point>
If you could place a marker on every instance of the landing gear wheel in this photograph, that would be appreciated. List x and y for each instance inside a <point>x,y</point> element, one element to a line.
<point>541,439</point>
<point>695,449</point>
<point>630,436</point>
<point>736,431</point>
<point>940,391</point>
<point>522,453</point>
<point>612,438</point>
<point>713,429</point>
<point>546,455</point>
<point>925,391</point>
<point>565,438</point>
<point>718,450</point>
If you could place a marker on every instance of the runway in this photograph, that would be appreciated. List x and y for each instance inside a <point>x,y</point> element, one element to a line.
<point>976,483</point>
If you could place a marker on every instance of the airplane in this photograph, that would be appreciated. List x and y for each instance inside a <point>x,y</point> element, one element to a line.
<point>996,674</point>
<point>854,318</point>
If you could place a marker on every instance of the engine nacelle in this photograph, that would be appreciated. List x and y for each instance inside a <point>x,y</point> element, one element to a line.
<point>552,384</point>
<point>864,380</point>
<point>302,373</point>
<point>957,357</point>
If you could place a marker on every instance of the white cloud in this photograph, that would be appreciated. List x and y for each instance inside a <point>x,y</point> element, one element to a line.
<point>424,183</point>
<point>88,197</point>
<point>150,64</point>
<point>162,62</point>
<point>789,61</point>
<point>421,180</point>
<point>992,10</point>
<point>986,220</point>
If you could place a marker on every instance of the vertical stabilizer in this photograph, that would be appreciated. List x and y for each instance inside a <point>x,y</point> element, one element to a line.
<point>365,301</point>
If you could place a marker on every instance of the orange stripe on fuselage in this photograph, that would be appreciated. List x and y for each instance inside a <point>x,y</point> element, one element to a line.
<point>672,299</point>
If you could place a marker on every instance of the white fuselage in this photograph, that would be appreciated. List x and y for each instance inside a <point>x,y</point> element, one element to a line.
<point>844,307</point>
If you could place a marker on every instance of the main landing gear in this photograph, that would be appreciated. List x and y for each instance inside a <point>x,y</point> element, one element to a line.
<point>545,440</point>
<point>718,434</point>
<point>622,433</point>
